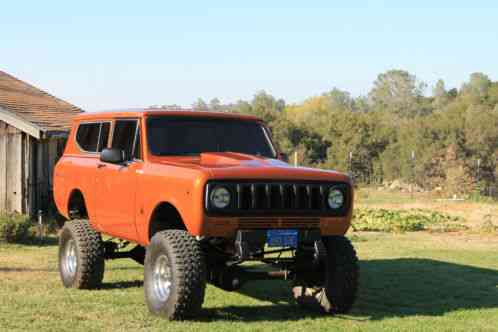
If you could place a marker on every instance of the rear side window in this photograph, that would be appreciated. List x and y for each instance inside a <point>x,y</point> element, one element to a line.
<point>124,136</point>
<point>93,137</point>
<point>88,136</point>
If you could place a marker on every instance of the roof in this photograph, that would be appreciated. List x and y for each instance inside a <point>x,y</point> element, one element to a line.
<point>139,112</point>
<point>27,103</point>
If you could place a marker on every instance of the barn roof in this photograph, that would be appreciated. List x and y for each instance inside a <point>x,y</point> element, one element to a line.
<point>31,109</point>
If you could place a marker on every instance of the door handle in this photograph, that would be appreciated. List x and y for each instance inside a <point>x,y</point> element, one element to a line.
<point>101,165</point>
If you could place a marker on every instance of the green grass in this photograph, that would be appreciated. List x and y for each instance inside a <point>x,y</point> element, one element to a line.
<point>410,282</point>
<point>370,196</point>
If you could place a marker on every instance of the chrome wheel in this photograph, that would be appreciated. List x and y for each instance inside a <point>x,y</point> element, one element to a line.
<point>162,278</point>
<point>70,260</point>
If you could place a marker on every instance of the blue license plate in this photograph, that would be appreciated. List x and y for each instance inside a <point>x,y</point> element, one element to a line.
<point>282,237</point>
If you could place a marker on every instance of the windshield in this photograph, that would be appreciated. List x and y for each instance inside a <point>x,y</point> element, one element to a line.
<point>168,136</point>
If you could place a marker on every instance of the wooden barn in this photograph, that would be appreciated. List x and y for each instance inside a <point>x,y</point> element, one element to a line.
<point>33,131</point>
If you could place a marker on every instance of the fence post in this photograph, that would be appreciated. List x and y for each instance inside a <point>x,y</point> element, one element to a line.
<point>350,165</point>
<point>478,178</point>
<point>40,225</point>
<point>413,173</point>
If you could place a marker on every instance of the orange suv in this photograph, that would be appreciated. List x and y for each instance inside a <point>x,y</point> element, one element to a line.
<point>195,195</point>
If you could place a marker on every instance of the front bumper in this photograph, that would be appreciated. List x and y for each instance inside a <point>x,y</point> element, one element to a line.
<point>228,226</point>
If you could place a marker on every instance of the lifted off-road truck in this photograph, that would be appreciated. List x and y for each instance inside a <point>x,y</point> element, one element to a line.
<point>196,195</point>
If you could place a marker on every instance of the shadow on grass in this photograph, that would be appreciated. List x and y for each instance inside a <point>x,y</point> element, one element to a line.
<point>125,268</point>
<point>280,307</point>
<point>411,286</point>
<point>24,269</point>
<point>275,312</point>
<point>47,241</point>
<point>28,269</point>
<point>122,284</point>
<point>389,288</point>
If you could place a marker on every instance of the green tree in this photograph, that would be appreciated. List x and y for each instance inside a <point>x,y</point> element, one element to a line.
<point>242,107</point>
<point>397,91</point>
<point>215,105</point>
<point>266,106</point>
<point>311,147</point>
<point>440,94</point>
<point>453,93</point>
<point>200,105</point>
<point>447,132</point>
<point>492,98</point>
<point>338,100</point>
<point>360,104</point>
<point>477,86</point>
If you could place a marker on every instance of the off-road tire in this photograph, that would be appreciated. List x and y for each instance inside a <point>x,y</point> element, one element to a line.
<point>88,249</point>
<point>338,293</point>
<point>186,271</point>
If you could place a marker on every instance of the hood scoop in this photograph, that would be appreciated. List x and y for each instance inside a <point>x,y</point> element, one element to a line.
<point>226,159</point>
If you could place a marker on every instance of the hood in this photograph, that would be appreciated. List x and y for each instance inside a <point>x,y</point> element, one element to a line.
<point>230,165</point>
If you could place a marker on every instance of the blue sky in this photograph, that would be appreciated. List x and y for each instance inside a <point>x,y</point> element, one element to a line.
<point>113,54</point>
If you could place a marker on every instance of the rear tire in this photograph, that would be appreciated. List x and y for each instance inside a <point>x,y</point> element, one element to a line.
<point>338,293</point>
<point>174,275</point>
<point>81,261</point>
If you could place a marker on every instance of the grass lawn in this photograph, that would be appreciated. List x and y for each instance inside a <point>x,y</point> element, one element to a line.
<point>410,282</point>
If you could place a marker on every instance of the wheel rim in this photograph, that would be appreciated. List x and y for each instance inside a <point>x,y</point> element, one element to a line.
<point>161,278</point>
<point>70,261</point>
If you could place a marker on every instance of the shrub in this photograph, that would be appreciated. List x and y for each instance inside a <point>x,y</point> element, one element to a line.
<point>15,228</point>
<point>399,221</point>
<point>488,226</point>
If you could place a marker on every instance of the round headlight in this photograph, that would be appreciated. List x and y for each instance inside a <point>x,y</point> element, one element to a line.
<point>220,197</point>
<point>335,198</point>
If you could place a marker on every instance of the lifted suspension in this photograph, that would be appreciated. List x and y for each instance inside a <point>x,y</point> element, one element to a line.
<point>112,250</point>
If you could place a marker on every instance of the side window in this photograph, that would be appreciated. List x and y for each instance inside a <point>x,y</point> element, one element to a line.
<point>124,135</point>
<point>87,136</point>
<point>137,153</point>
<point>104,135</point>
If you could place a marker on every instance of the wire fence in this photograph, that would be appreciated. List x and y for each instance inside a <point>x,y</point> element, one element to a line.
<point>458,186</point>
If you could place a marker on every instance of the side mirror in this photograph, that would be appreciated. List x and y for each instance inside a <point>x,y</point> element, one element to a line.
<point>283,157</point>
<point>113,156</point>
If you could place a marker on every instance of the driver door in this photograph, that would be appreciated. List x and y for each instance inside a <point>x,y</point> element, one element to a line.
<point>117,183</point>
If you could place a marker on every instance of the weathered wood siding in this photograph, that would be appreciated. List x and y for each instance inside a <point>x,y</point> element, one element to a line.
<point>11,169</point>
<point>26,171</point>
<point>29,175</point>
<point>3,166</point>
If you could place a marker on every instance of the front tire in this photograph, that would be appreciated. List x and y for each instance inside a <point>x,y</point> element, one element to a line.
<point>81,261</point>
<point>338,293</point>
<point>174,275</point>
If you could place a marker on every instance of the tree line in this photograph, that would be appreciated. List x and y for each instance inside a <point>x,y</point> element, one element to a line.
<point>447,138</point>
